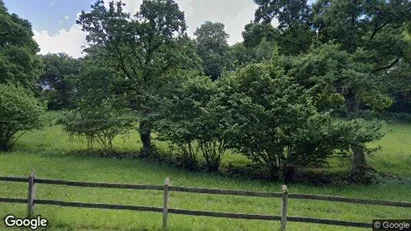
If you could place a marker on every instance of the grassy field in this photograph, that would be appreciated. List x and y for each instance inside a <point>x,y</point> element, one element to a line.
<point>46,152</point>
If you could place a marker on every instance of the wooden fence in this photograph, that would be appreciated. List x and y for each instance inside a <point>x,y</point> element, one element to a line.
<point>31,201</point>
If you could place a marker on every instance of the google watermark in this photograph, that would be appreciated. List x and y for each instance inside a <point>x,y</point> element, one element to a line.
<point>401,225</point>
<point>32,223</point>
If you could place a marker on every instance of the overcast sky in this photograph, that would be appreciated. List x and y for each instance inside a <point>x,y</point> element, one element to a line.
<point>55,29</point>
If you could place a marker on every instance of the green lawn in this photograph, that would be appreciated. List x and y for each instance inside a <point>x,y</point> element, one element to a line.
<point>45,151</point>
<point>395,156</point>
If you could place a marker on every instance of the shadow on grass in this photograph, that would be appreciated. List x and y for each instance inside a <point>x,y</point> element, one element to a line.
<point>247,171</point>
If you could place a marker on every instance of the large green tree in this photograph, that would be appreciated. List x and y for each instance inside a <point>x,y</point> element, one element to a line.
<point>373,28</point>
<point>212,47</point>
<point>357,47</point>
<point>143,47</point>
<point>55,81</point>
<point>20,68</point>
<point>373,32</point>
<point>294,33</point>
<point>19,63</point>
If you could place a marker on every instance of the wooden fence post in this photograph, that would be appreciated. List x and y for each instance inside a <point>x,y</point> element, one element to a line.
<point>284,208</point>
<point>32,194</point>
<point>165,205</point>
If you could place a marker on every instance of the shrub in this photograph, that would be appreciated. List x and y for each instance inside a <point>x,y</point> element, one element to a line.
<point>19,112</point>
<point>189,122</point>
<point>100,114</point>
<point>274,122</point>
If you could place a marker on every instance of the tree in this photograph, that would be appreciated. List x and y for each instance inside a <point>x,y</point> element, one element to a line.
<point>55,81</point>
<point>142,47</point>
<point>375,30</point>
<point>255,33</point>
<point>19,63</point>
<point>370,43</point>
<point>372,31</point>
<point>99,114</point>
<point>190,122</point>
<point>294,33</point>
<point>272,120</point>
<point>242,55</point>
<point>179,111</point>
<point>212,47</point>
<point>399,84</point>
<point>339,80</point>
<point>399,87</point>
<point>19,113</point>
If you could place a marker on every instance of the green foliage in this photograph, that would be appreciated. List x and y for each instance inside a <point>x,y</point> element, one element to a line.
<point>398,86</point>
<point>188,121</point>
<point>255,33</point>
<point>242,55</point>
<point>55,81</point>
<point>265,111</point>
<point>211,134</point>
<point>294,33</point>
<point>274,121</point>
<point>340,80</point>
<point>100,115</point>
<point>19,112</point>
<point>19,63</point>
<point>370,37</point>
<point>143,48</point>
<point>374,25</point>
<point>212,47</point>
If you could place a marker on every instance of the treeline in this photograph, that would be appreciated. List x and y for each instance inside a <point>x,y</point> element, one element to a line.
<point>287,97</point>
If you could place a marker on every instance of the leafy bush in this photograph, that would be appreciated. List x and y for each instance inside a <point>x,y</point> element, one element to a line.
<point>273,121</point>
<point>19,112</point>
<point>100,115</point>
<point>98,124</point>
<point>188,121</point>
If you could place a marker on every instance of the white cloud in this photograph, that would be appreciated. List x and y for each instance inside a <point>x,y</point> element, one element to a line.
<point>67,41</point>
<point>60,21</point>
<point>66,17</point>
<point>235,25</point>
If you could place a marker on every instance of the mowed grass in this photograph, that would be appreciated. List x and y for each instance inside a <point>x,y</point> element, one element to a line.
<point>45,152</point>
<point>395,156</point>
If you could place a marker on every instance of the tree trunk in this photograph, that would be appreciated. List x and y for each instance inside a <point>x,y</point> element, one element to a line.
<point>288,173</point>
<point>359,165</point>
<point>353,104</point>
<point>145,136</point>
<point>4,147</point>
<point>274,171</point>
<point>5,144</point>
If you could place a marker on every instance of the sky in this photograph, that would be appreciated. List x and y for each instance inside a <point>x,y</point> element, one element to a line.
<point>55,29</point>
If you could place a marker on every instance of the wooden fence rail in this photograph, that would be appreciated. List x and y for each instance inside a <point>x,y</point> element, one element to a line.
<point>31,201</point>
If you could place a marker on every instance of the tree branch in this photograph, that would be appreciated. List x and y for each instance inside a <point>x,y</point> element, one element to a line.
<point>386,67</point>
<point>376,29</point>
<point>121,59</point>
